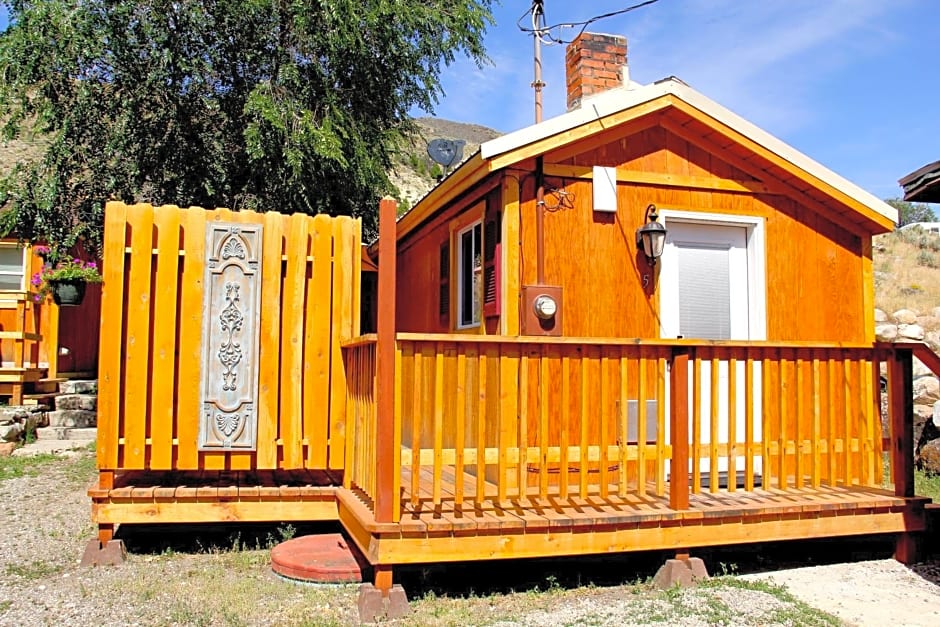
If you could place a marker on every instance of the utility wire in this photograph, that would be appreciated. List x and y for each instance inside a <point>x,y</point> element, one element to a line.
<point>537,11</point>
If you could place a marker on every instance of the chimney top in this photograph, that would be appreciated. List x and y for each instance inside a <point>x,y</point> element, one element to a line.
<point>594,63</point>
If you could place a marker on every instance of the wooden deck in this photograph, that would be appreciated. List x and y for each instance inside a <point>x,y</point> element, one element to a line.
<point>215,496</point>
<point>490,528</point>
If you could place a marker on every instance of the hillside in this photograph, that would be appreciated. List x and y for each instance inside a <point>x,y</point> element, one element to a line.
<point>906,266</point>
<point>415,173</point>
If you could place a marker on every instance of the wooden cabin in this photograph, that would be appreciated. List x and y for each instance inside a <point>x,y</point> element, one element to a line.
<point>40,342</point>
<point>537,385</point>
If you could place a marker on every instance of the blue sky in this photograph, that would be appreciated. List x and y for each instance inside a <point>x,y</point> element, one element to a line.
<point>851,83</point>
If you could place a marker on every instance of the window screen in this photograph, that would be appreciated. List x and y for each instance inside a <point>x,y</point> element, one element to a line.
<point>11,268</point>
<point>704,292</point>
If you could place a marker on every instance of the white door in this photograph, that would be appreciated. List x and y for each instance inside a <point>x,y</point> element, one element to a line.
<point>705,292</point>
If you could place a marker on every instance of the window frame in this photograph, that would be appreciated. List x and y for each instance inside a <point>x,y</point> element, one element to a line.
<point>458,253</point>
<point>24,266</point>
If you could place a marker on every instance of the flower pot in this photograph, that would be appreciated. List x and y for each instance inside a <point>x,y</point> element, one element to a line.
<point>67,293</point>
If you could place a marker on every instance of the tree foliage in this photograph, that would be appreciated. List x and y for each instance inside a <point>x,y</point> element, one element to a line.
<point>288,105</point>
<point>909,212</point>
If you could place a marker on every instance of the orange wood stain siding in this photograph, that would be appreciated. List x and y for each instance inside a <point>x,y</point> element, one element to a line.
<point>815,282</point>
<point>152,324</point>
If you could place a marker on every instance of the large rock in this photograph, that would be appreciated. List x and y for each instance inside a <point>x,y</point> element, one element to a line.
<point>926,390</point>
<point>911,331</point>
<point>929,457</point>
<point>82,418</point>
<point>79,387</point>
<point>880,316</point>
<point>924,429</point>
<point>11,432</point>
<point>905,316</point>
<point>886,332</point>
<point>920,370</point>
<point>88,402</point>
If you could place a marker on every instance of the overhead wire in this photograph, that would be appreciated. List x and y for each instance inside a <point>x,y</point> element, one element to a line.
<point>544,33</point>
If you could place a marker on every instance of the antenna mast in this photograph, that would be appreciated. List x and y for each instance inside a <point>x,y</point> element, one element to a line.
<point>538,24</point>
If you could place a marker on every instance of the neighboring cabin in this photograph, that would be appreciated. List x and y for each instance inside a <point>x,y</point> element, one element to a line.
<point>39,340</point>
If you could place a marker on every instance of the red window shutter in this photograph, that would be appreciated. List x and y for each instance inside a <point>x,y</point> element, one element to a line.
<point>491,265</point>
<point>444,288</point>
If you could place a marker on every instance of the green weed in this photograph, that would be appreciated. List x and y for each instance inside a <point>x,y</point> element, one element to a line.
<point>14,467</point>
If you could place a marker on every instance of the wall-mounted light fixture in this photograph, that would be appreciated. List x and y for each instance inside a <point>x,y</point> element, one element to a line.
<point>651,236</point>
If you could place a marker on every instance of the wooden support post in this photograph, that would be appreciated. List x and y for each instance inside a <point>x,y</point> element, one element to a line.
<point>105,533</point>
<point>679,428</point>
<point>385,370</point>
<point>105,479</point>
<point>901,413</point>
<point>51,340</point>
<point>383,577</point>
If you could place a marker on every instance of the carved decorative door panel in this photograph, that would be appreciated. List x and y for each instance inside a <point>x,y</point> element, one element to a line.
<point>230,331</point>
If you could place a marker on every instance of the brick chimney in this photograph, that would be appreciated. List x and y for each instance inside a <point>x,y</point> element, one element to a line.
<point>594,63</point>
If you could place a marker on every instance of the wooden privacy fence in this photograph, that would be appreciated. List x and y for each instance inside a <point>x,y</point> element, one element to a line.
<point>496,418</point>
<point>152,318</point>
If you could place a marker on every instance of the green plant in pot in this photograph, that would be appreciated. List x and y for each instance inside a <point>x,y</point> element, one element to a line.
<point>63,276</point>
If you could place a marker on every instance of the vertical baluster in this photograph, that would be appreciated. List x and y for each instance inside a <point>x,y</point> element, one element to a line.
<point>544,385</point>
<point>523,447</point>
<point>732,422</point>
<point>565,418</point>
<point>605,420</point>
<point>714,433</point>
<point>661,356</point>
<point>817,410</point>
<point>460,439</point>
<point>748,421</point>
<point>696,424</point>
<point>623,426</point>
<point>583,465</point>
<point>641,426</point>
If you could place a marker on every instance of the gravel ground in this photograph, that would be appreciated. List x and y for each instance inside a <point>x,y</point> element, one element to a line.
<point>45,523</point>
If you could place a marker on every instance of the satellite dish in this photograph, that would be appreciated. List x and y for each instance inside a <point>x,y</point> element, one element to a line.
<point>446,152</point>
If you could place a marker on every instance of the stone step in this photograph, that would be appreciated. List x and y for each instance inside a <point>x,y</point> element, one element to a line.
<point>78,386</point>
<point>72,418</point>
<point>87,402</point>
<point>67,433</point>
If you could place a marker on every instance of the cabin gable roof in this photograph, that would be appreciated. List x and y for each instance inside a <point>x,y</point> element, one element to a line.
<point>672,104</point>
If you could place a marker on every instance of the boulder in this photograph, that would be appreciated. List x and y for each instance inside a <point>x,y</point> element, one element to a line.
<point>911,331</point>
<point>928,322</point>
<point>905,316</point>
<point>77,386</point>
<point>880,316</point>
<point>928,459</point>
<point>886,332</point>
<point>924,429</point>
<point>11,432</point>
<point>920,370</point>
<point>926,390</point>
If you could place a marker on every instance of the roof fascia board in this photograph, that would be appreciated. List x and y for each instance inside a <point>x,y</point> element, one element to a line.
<point>738,129</point>
<point>619,105</point>
<point>471,172</point>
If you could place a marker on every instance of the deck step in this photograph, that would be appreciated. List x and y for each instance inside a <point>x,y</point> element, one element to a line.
<point>46,386</point>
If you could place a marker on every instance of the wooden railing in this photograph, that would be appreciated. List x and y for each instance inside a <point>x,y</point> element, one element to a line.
<point>21,331</point>
<point>361,414</point>
<point>497,418</point>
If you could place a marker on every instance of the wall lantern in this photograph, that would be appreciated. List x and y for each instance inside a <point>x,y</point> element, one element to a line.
<point>651,236</point>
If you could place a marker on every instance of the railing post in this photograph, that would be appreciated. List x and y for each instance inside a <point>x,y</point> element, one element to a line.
<point>679,429</point>
<point>901,413</point>
<point>385,366</point>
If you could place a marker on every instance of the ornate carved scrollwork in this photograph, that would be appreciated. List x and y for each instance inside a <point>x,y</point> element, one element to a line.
<point>232,285</point>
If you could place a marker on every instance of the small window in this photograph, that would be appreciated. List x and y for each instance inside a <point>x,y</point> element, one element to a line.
<point>470,276</point>
<point>12,264</point>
